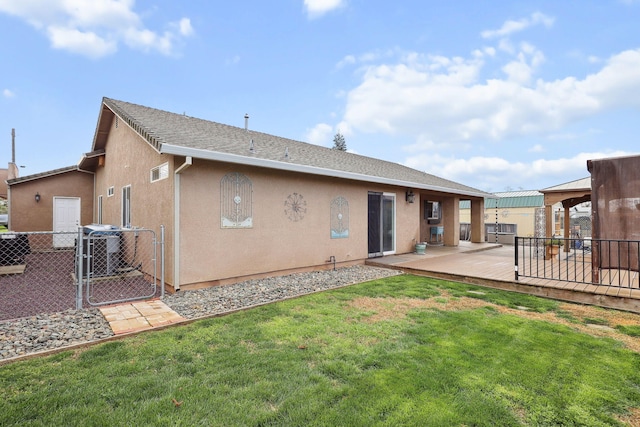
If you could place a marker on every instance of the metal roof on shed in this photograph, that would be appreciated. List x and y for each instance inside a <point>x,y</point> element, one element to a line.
<point>531,201</point>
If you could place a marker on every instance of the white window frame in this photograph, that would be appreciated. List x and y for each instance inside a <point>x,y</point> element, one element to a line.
<point>432,210</point>
<point>99,213</point>
<point>110,191</point>
<point>126,207</point>
<point>162,172</point>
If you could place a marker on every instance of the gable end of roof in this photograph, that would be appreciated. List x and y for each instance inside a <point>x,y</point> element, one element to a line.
<point>139,128</point>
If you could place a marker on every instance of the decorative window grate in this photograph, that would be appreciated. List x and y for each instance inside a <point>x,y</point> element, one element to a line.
<point>236,201</point>
<point>339,218</point>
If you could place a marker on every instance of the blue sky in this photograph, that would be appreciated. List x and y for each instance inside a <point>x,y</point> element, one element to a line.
<point>498,95</point>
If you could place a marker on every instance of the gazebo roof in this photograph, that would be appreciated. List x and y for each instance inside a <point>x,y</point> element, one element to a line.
<point>577,185</point>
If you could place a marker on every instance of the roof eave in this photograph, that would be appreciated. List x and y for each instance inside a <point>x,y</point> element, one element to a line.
<point>45,174</point>
<point>312,170</point>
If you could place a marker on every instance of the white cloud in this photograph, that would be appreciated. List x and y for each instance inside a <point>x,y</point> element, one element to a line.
<point>7,93</point>
<point>185,27</point>
<point>233,60</point>
<point>317,8</point>
<point>368,57</point>
<point>453,105</point>
<point>444,99</point>
<point>493,173</point>
<point>95,28</point>
<point>510,27</point>
<point>321,134</point>
<point>85,43</point>
<point>347,60</point>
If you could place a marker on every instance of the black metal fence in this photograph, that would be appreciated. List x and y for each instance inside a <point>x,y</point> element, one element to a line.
<point>47,272</point>
<point>600,262</point>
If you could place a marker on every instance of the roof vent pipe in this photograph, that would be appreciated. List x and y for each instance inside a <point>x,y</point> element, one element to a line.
<point>246,122</point>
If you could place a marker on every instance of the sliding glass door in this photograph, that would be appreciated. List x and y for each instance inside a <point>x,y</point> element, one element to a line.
<point>382,222</point>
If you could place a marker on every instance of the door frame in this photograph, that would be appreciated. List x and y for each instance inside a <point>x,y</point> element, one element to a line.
<point>381,223</point>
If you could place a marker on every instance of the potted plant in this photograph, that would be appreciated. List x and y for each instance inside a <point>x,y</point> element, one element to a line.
<point>552,247</point>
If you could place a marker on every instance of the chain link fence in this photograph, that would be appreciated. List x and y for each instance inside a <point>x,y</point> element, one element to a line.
<point>46,272</point>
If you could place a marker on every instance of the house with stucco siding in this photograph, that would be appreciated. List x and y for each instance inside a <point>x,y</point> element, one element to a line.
<point>237,203</point>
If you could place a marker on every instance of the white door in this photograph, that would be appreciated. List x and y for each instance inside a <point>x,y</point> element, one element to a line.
<point>66,217</point>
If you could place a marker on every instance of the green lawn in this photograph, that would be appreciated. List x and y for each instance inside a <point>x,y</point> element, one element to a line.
<point>401,351</point>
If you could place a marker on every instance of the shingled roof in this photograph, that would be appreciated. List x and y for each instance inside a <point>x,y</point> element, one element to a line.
<point>182,135</point>
<point>41,175</point>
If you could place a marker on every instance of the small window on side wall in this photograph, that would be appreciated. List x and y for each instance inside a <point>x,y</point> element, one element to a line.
<point>160,172</point>
<point>432,211</point>
<point>110,191</point>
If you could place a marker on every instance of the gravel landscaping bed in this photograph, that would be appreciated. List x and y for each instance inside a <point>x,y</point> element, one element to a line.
<point>42,332</point>
<point>220,299</point>
<point>19,337</point>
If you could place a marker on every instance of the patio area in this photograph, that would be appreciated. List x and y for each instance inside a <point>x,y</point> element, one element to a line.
<point>492,265</point>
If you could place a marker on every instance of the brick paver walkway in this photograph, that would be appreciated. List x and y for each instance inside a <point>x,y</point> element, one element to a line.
<point>138,316</point>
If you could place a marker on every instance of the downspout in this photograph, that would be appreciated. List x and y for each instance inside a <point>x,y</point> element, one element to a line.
<point>176,221</point>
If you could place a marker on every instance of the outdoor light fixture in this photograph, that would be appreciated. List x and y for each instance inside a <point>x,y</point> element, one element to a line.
<point>37,197</point>
<point>409,196</point>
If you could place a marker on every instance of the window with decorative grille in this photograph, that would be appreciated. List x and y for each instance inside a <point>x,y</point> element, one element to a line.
<point>236,201</point>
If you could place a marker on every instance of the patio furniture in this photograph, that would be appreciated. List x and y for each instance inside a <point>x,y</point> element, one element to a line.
<point>436,232</point>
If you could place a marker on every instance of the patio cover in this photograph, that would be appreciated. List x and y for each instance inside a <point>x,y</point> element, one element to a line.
<point>615,185</point>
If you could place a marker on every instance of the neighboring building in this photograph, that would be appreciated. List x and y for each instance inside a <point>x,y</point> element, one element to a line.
<point>240,204</point>
<point>4,175</point>
<point>514,212</point>
<point>568,209</point>
<point>58,200</point>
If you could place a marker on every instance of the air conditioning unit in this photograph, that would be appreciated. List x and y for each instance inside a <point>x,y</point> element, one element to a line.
<point>100,251</point>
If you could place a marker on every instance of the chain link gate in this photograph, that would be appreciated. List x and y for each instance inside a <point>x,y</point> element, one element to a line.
<point>50,272</point>
<point>118,265</point>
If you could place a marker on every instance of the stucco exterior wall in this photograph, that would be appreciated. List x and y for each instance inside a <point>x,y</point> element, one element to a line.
<point>128,162</point>
<point>276,242</point>
<point>25,214</point>
<point>206,253</point>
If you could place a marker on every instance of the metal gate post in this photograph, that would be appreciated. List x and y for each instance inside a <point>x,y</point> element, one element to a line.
<point>79,272</point>
<point>516,255</point>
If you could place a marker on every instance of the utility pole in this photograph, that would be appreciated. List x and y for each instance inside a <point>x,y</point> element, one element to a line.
<point>12,172</point>
<point>13,145</point>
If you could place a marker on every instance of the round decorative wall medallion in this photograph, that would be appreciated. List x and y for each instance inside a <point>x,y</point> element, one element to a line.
<point>295,207</point>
